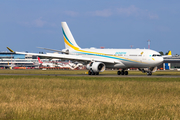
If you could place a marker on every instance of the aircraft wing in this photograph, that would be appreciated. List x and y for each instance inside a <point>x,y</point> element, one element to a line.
<point>71,57</point>
<point>68,57</point>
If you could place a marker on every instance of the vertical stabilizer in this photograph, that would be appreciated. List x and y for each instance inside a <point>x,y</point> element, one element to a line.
<point>69,41</point>
<point>39,60</point>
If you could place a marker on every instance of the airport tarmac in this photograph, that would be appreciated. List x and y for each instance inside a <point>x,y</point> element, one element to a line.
<point>101,75</point>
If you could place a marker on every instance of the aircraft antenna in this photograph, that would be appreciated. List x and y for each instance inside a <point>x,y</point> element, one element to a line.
<point>148,44</point>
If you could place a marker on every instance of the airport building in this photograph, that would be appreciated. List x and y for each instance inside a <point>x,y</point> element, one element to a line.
<point>8,59</point>
<point>171,62</point>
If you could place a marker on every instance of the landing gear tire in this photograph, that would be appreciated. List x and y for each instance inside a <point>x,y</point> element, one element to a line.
<point>118,72</point>
<point>93,73</point>
<point>126,72</point>
<point>122,72</point>
<point>89,72</point>
<point>149,73</point>
<point>97,73</point>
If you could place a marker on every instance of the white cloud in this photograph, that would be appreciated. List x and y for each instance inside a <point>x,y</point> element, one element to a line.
<point>102,13</point>
<point>39,22</point>
<point>153,16</point>
<point>71,13</point>
<point>132,10</point>
<point>125,12</point>
<point>137,12</point>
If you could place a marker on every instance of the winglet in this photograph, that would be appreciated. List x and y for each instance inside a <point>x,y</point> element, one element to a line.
<point>10,49</point>
<point>169,53</point>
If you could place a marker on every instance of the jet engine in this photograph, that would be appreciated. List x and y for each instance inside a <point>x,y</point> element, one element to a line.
<point>96,66</point>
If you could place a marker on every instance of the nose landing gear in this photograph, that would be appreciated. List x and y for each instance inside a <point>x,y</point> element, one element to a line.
<point>149,72</point>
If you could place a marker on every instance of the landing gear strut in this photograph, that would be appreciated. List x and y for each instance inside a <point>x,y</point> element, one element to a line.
<point>122,72</point>
<point>149,72</point>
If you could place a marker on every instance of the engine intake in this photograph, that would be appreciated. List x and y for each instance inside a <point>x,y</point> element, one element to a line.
<point>96,66</point>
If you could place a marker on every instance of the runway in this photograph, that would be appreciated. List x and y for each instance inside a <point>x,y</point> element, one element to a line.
<point>101,75</point>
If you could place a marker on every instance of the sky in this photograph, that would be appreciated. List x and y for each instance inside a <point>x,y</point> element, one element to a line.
<point>28,24</point>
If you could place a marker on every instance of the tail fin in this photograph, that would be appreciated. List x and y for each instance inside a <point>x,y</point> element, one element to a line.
<point>39,60</point>
<point>169,53</point>
<point>69,41</point>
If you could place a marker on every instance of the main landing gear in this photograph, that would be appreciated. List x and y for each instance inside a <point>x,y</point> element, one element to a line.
<point>123,72</point>
<point>90,72</point>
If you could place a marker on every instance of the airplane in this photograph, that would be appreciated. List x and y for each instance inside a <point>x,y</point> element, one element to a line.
<point>8,66</point>
<point>97,60</point>
<point>45,64</point>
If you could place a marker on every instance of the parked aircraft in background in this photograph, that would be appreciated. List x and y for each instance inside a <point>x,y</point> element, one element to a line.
<point>98,60</point>
<point>64,65</point>
<point>70,65</point>
<point>45,64</point>
<point>9,66</point>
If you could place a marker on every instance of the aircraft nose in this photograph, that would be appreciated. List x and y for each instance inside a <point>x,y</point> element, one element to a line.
<point>160,60</point>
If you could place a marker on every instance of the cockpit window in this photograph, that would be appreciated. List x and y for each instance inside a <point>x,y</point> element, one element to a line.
<point>154,55</point>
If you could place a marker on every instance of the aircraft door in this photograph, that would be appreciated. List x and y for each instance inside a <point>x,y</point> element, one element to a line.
<point>143,57</point>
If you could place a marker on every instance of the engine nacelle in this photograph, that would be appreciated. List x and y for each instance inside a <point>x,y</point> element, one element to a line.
<point>96,66</point>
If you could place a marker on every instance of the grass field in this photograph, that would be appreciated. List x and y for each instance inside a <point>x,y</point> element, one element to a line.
<point>113,72</point>
<point>63,97</point>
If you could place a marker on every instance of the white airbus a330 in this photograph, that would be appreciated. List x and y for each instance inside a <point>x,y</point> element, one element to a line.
<point>98,60</point>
